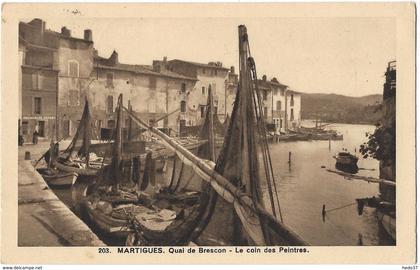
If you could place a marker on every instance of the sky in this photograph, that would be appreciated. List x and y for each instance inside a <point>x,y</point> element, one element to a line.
<point>342,55</point>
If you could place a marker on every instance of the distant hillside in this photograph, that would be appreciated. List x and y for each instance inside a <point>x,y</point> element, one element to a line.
<point>341,109</point>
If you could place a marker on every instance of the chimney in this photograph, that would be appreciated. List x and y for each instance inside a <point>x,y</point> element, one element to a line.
<point>88,35</point>
<point>264,78</point>
<point>114,58</point>
<point>232,69</point>
<point>39,25</point>
<point>156,66</point>
<point>65,32</point>
<point>165,59</point>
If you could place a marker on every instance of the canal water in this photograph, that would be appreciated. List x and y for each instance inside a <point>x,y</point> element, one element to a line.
<point>303,187</point>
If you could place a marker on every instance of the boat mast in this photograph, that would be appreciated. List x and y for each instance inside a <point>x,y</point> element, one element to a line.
<point>211,125</point>
<point>117,147</point>
<point>244,86</point>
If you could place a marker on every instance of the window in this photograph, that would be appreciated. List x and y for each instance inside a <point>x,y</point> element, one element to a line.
<point>292,115</point>
<point>110,104</point>
<point>292,102</point>
<point>73,68</point>
<point>203,90</point>
<point>25,127</point>
<point>202,111</point>
<point>37,105</point>
<point>110,80</point>
<point>183,87</point>
<point>74,98</point>
<point>278,106</point>
<point>183,106</point>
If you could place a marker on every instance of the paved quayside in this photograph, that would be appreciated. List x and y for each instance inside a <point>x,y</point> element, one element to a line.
<point>44,220</point>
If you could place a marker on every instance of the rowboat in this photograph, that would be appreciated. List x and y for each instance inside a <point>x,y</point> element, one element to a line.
<point>58,179</point>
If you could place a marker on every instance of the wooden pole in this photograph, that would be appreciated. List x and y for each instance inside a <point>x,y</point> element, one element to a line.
<point>211,126</point>
<point>130,123</point>
<point>290,158</point>
<point>364,178</point>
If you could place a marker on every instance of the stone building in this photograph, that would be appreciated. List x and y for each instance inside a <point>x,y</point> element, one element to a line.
<point>75,57</point>
<point>281,105</point>
<point>153,91</point>
<point>55,69</point>
<point>212,75</point>
<point>38,75</point>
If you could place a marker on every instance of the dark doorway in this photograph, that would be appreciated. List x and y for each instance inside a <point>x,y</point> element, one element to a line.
<point>41,128</point>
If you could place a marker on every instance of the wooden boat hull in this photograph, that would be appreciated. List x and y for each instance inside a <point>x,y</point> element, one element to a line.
<point>59,179</point>
<point>79,171</point>
<point>112,227</point>
<point>388,223</point>
<point>348,160</point>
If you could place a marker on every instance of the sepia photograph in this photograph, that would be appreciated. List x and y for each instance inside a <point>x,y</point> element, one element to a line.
<point>209,132</point>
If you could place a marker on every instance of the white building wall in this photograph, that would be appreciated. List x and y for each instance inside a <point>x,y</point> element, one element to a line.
<point>197,97</point>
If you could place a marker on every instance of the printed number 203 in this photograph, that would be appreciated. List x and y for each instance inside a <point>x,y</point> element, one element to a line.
<point>103,250</point>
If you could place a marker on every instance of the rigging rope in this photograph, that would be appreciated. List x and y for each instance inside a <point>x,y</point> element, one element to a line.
<point>263,139</point>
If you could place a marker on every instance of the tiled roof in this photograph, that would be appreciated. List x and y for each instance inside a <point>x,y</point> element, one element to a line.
<point>144,69</point>
<point>198,64</point>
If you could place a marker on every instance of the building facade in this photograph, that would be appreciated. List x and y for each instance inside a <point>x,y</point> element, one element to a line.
<point>281,105</point>
<point>212,75</point>
<point>152,91</point>
<point>38,75</point>
<point>59,69</point>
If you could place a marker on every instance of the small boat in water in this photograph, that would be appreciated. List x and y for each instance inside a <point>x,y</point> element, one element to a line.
<point>58,179</point>
<point>346,162</point>
<point>345,158</point>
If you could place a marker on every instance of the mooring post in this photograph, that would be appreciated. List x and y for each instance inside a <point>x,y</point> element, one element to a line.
<point>329,144</point>
<point>27,155</point>
<point>323,212</point>
<point>290,157</point>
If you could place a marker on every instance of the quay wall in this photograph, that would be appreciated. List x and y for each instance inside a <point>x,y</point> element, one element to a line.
<point>43,219</point>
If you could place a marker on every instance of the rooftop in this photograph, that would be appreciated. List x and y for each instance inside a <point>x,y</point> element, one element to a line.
<point>113,64</point>
<point>216,65</point>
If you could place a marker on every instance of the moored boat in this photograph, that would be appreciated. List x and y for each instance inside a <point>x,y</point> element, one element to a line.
<point>58,179</point>
<point>345,158</point>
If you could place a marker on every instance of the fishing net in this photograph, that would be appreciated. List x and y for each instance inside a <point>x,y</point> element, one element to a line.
<point>79,146</point>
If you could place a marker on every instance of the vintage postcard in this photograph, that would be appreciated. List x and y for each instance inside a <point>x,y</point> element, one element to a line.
<point>208,133</point>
